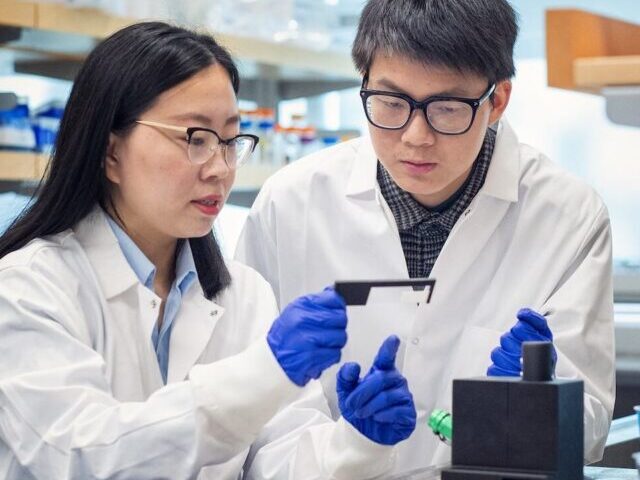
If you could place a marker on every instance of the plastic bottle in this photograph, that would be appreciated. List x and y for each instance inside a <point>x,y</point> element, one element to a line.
<point>308,141</point>
<point>291,144</point>
<point>279,133</point>
<point>249,124</point>
<point>329,141</point>
<point>266,124</point>
<point>15,127</point>
<point>46,124</point>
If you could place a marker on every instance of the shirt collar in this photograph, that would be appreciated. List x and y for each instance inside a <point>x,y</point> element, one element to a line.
<point>145,270</point>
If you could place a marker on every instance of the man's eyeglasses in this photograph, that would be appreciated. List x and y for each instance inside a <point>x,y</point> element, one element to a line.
<point>204,143</point>
<point>445,115</point>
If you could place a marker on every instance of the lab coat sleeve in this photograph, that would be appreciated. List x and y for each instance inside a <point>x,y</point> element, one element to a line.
<point>581,318</point>
<point>257,242</point>
<point>302,443</point>
<point>60,419</point>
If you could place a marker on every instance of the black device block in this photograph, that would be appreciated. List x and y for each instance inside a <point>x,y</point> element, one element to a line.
<point>504,424</point>
<point>477,474</point>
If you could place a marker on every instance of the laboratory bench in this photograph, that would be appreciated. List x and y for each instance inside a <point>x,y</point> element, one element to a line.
<point>590,473</point>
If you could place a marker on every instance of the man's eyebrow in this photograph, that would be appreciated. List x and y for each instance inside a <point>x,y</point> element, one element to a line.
<point>455,92</point>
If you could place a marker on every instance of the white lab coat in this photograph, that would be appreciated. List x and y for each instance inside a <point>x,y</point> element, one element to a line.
<point>81,394</point>
<point>533,236</point>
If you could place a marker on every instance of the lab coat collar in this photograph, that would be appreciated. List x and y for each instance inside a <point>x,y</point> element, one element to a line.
<point>503,177</point>
<point>363,181</point>
<point>191,332</point>
<point>112,270</point>
<point>197,318</point>
<point>501,182</point>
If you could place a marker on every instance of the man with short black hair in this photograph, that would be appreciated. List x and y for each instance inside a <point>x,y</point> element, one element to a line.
<point>443,188</point>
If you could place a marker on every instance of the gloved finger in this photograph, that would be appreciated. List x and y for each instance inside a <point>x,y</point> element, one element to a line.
<point>505,360</point>
<point>384,400</point>
<point>327,298</point>
<point>386,357</point>
<point>334,338</point>
<point>536,320</point>
<point>347,379</point>
<point>523,332</point>
<point>325,318</point>
<point>510,344</point>
<point>497,371</point>
<point>372,384</point>
<point>400,415</point>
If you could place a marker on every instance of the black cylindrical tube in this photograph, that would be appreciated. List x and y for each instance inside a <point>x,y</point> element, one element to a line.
<point>537,361</point>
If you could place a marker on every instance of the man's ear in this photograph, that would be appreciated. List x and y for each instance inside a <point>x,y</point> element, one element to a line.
<point>111,163</point>
<point>500,100</point>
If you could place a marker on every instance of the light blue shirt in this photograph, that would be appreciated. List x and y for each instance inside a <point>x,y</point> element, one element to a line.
<point>146,271</point>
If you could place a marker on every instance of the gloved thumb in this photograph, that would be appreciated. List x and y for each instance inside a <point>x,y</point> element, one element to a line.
<point>536,320</point>
<point>328,298</point>
<point>347,379</point>
<point>386,357</point>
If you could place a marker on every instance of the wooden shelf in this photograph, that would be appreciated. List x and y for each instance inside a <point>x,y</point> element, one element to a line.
<point>597,72</point>
<point>28,166</point>
<point>21,166</point>
<point>97,24</point>
<point>17,14</point>
<point>587,52</point>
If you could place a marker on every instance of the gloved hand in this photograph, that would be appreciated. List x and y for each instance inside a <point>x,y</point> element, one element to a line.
<point>309,334</point>
<point>531,326</point>
<point>380,406</point>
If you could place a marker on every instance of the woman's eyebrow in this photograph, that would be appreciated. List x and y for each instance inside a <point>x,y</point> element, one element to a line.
<point>197,117</point>
<point>233,119</point>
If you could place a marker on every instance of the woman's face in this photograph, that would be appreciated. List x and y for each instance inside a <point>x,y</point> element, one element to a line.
<point>156,190</point>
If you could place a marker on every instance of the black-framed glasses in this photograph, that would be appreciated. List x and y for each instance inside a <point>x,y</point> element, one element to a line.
<point>204,143</point>
<point>444,114</point>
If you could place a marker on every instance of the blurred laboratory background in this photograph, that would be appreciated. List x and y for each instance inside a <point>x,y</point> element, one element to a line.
<point>299,93</point>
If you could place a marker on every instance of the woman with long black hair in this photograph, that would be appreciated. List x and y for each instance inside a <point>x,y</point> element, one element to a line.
<point>130,348</point>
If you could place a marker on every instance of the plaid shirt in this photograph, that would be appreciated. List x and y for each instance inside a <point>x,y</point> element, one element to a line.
<point>423,231</point>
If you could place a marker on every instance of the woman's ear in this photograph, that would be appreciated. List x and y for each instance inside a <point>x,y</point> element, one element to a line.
<point>500,100</point>
<point>111,164</point>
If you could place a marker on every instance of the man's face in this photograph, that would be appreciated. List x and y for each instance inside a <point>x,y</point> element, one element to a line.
<point>427,164</point>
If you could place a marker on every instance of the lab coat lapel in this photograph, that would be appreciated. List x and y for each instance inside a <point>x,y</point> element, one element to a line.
<point>191,332</point>
<point>376,225</point>
<point>113,272</point>
<point>480,220</point>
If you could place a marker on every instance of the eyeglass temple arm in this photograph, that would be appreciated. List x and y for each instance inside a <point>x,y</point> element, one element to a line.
<point>162,125</point>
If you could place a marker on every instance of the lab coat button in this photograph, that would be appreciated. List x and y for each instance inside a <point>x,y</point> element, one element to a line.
<point>415,341</point>
<point>154,303</point>
<point>213,313</point>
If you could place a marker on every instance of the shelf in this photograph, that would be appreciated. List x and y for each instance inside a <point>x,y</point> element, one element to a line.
<point>28,166</point>
<point>598,72</point>
<point>17,14</point>
<point>21,166</point>
<point>96,24</point>
<point>595,54</point>
<point>587,52</point>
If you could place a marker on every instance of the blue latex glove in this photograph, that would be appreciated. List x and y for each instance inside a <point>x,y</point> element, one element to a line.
<point>309,334</point>
<point>531,327</point>
<point>380,406</point>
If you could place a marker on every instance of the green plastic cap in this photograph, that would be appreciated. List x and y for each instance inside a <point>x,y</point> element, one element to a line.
<point>441,423</point>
